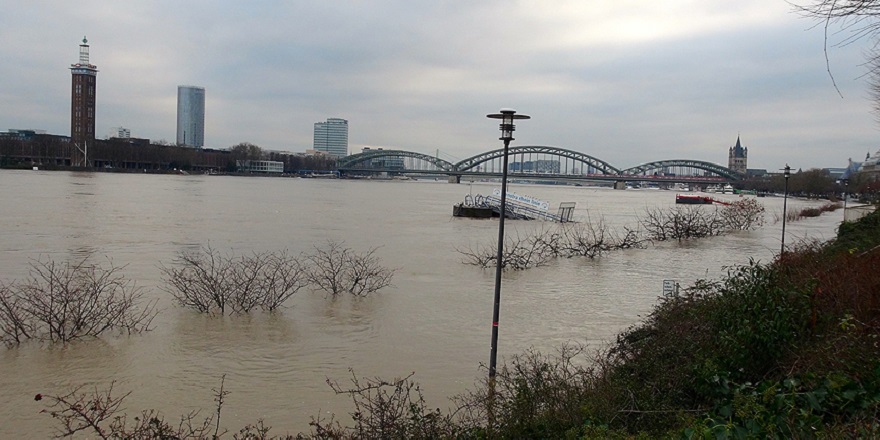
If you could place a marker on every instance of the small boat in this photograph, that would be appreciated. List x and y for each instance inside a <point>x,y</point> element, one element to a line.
<point>693,199</point>
<point>696,199</point>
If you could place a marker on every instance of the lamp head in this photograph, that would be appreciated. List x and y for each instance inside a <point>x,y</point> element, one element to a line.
<point>786,171</point>
<point>507,115</point>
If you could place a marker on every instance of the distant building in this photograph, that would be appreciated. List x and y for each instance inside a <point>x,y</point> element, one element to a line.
<point>119,133</point>
<point>331,137</point>
<point>835,172</point>
<point>871,165</point>
<point>20,135</point>
<point>191,116</point>
<point>757,172</point>
<point>82,105</point>
<point>737,158</point>
<point>259,166</point>
<point>852,168</point>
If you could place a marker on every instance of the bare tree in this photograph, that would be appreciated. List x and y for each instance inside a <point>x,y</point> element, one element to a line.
<point>745,214</point>
<point>861,20</point>
<point>521,251</point>
<point>384,409</point>
<point>201,281</point>
<point>283,276</point>
<point>537,248</point>
<point>16,325</point>
<point>61,302</point>
<point>210,282</point>
<point>336,269</point>
<point>97,413</point>
<point>681,223</point>
<point>592,239</point>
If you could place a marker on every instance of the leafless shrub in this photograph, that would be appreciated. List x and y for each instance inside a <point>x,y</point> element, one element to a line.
<point>210,282</point>
<point>336,269</point>
<point>283,276</point>
<point>745,215</point>
<point>681,223</point>
<point>16,325</point>
<point>520,251</point>
<point>537,248</point>
<point>383,409</point>
<point>201,281</point>
<point>62,302</point>
<point>592,239</point>
<point>97,413</point>
<point>529,388</point>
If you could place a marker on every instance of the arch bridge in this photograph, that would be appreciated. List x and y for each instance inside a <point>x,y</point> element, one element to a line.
<point>533,162</point>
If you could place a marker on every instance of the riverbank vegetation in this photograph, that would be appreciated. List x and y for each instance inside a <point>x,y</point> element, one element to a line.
<point>789,349</point>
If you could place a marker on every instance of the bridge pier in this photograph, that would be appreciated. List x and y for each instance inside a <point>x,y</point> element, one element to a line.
<point>454,179</point>
<point>620,184</point>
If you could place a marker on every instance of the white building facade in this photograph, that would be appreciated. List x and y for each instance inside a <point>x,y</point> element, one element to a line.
<point>331,137</point>
<point>191,116</point>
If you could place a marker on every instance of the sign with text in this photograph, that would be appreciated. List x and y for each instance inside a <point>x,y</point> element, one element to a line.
<point>523,200</point>
<point>670,288</point>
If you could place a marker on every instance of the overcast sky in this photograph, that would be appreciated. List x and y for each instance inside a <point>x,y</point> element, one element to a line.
<point>627,81</point>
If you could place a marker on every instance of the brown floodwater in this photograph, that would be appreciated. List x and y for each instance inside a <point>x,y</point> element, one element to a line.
<point>435,320</point>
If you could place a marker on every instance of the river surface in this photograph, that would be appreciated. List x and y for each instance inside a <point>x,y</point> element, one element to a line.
<point>435,320</point>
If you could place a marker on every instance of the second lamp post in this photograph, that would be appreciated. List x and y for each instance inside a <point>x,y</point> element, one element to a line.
<point>786,174</point>
<point>507,116</point>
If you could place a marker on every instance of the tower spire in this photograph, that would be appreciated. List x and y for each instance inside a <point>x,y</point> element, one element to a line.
<point>84,52</point>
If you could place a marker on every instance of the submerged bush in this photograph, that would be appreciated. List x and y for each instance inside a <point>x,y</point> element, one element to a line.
<point>210,282</point>
<point>336,269</point>
<point>70,300</point>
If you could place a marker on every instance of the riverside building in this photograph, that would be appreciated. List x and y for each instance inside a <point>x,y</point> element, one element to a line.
<point>331,137</point>
<point>191,116</point>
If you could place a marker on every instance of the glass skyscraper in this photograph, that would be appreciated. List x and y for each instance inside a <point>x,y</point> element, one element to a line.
<point>331,137</point>
<point>191,116</point>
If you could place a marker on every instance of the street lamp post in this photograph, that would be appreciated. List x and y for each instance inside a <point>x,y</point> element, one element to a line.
<point>845,194</point>
<point>507,116</point>
<point>786,174</point>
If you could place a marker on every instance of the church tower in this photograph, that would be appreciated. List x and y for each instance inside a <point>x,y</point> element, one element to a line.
<point>737,158</point>
<point>82,106</point>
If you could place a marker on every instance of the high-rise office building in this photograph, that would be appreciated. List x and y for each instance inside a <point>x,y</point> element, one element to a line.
<point>82,105</point>
<point>191,116</point>
<point>331,137</point>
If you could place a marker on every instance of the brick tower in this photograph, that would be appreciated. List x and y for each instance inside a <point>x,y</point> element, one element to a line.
<point>82,106</point>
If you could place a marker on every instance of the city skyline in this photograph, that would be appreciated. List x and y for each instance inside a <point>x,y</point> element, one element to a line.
<point>655,82</point>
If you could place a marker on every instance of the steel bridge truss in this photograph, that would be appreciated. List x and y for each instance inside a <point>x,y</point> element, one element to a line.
<point>713,168</point>
<point>519,159</point>
<point>522,152</point>
<point>369,159</point>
